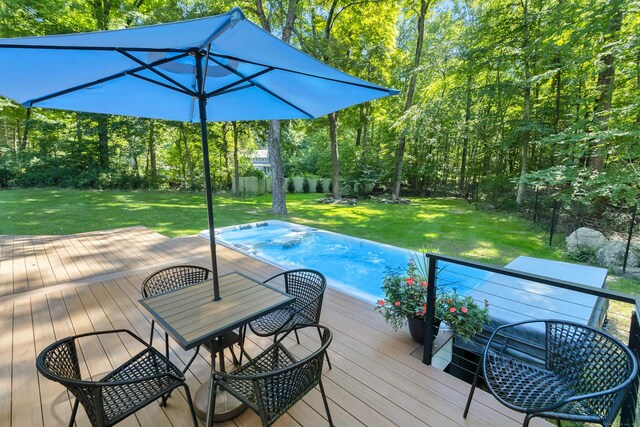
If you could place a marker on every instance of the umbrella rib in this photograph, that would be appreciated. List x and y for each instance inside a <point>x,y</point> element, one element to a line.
<point>302,73</point>
<point>32,102</point>
<point>259,86</point>
<point>155,82</point>
<point>153,70</point>
<point>236,88</point>
<point>98,48</point>
<point>223,89</point>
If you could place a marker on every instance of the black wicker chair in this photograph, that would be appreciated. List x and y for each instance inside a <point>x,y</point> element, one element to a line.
<point>133,385</point>
<point>574,373</point>
<point>274,381</point>
<point>308,287</point>
<point>176,277</point>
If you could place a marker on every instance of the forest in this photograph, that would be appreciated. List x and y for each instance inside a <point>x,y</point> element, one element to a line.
<point>498,99</point>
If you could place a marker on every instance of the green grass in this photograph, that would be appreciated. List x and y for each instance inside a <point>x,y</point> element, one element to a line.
<point>450,226</point>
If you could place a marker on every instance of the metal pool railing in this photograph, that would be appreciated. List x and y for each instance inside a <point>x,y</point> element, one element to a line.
<point>614,312</point>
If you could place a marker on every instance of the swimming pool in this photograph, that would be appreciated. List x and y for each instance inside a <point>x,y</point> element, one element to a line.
<point>352,265</point>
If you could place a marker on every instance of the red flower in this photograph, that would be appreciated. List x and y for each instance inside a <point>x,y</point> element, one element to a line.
<point>425,284</point>
<point>452,310</point>
<point>397,304</point>
<point>381,302</point>
<point>464,310</point>
<point>410,281</point>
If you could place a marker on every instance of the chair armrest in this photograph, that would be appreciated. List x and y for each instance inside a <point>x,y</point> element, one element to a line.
<point>134,381</point>
<point>565,401</point>
<point>113,383</point>
<point>112,331</point>
<point>275,276</point>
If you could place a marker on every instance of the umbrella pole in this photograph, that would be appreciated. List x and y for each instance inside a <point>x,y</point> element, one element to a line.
<point>202,105</point>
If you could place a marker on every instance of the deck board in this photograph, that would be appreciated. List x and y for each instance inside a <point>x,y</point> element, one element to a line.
<point>56,286</point>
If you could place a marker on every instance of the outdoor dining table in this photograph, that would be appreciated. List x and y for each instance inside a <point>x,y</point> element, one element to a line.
<point>192,317</point>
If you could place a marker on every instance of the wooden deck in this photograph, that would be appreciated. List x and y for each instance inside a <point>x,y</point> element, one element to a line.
<point>55,286</point>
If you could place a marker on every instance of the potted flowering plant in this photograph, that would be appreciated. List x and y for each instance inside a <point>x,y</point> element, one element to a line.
<point>463,315</point>
<point>406,299</point>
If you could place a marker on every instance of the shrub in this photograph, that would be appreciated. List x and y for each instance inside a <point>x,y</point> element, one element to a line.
<point>305,186</point>
<point>291,186</point>
<point>319,186</point>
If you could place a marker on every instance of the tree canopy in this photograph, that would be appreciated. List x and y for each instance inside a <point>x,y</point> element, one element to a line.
<point>498,96</point>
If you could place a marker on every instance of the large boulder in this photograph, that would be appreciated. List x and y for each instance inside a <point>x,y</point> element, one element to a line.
<point>585,239</point>
<point>612,255</point>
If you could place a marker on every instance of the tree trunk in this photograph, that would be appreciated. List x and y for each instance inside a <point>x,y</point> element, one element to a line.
<point>187,154</point>
<point>465,141</point>
<point>638,80</point>
<point>103,140</point>
<point>25,135</point>
<point>335,159</point>
<point>527,107</point>
<point>278,202</point>
<point>78,130</point>
<point>397,176</point>
<point>236,171</point>
<point>365,128</point>
<point>183,162</point>
<point>606,80</point>
<point>152,150</point>
<point>278,196</point>
<point>229,178</point>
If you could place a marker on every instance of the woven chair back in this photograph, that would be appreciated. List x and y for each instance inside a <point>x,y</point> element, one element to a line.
<point>172,278</point>
<point>589,360</point>
<point>308,287</point>
<point>280,390</point>
<point>59,362</point>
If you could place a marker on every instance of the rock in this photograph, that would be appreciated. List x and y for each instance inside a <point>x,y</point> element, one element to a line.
<point>611,254</point>
<point>331,200</point>
<point>399,201</point>
<point>488,207</point>
<point>585,238</point>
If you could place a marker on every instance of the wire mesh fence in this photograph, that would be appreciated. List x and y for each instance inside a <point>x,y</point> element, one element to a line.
<point>524,292</point>
<point>619,247</point>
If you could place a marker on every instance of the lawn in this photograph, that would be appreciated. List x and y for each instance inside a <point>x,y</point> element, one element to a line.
<point>451,226</point>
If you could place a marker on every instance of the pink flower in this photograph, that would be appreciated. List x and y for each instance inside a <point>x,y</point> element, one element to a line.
<point>381,302</point>
<point>464,310</point>
<point>452,310</point>
<point>397,304</point>
<point>410,281</point>
<point>425,284</point>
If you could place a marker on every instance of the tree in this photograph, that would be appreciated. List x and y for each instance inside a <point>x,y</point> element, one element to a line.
<point>236,170</point>
<point>278,202</point>
<point>402,140</point>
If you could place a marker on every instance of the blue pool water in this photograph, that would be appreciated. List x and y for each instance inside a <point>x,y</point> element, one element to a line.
<point>355,266</point>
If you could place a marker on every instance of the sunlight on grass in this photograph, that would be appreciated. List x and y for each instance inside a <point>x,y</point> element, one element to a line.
<point>450,225</point>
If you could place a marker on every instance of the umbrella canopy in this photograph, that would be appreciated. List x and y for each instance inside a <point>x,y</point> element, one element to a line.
<point>220,68</point>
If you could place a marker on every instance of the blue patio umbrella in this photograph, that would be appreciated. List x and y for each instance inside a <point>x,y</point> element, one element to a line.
<point>220,68</point>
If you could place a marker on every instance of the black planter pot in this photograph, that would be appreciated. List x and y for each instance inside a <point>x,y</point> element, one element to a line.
<point>416,328</point>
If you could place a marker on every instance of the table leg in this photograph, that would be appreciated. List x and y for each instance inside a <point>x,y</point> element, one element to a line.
<point>227,406</point>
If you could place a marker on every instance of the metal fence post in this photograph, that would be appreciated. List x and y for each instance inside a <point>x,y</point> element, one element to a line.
<point>626,252</point>
<point>431,307</point>
<point>628,411</point>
